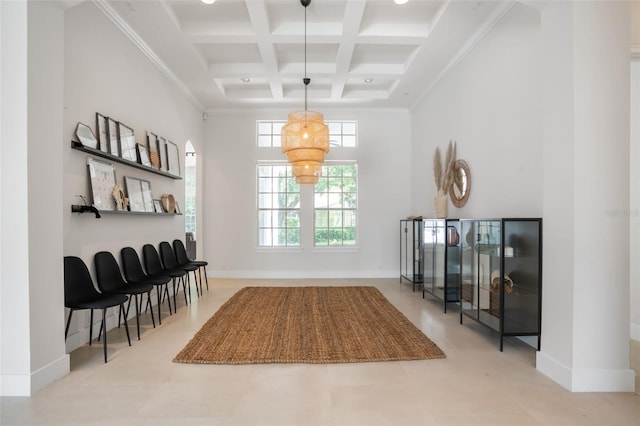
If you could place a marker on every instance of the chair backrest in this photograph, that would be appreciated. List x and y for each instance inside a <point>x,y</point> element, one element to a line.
<point>152,262</point>
<point>181,252</point>
<point>108,272</point>
<point>78,285</point>
<point>131,265</point>
<point>167,255</point>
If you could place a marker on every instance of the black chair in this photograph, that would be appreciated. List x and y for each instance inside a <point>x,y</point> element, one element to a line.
<point>182,258</point>
<point>153,266</point>
<point>169,261</point>
<point>110,281</point>
<point>133,273</point>
<point>80,293</point>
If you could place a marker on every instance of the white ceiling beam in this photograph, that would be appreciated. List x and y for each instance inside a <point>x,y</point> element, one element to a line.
<point>352,20</point>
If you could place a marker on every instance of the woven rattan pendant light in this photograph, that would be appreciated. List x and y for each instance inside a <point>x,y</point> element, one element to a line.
<point>305,137</point>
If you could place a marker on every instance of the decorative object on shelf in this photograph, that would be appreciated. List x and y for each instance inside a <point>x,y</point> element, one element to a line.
<point>102,176</point>
<point>143,155</point>
<point>154,151</point>
<point>443,176</point>
<point>102,128</point>
<point>127,142</point>
<point>461,187</point>
<point>453,237</point>
<point>168,203</point>
<point>85,136</point>
<point>114,148</point>
<point>119,198</point>
<point>173,157</point>
<point>495,282</point>
<point>305,137</point>
<point>147,196</point>
<point>157,206</point>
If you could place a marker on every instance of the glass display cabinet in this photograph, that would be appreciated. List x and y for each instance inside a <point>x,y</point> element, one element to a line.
<point>442,259</point>
<point>501,274</point>
<point>411,253</point>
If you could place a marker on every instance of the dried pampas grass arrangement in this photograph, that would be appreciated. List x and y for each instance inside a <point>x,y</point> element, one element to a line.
<point>443,173</point>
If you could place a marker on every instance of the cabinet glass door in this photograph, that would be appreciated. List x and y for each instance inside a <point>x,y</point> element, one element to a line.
<point>434,247</point>
<point>452,260</point>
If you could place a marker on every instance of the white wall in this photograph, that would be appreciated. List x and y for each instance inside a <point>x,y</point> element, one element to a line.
<point>634,208</point>
<point>230,216</point>
<point>106,73</point>
<point>490,104</point>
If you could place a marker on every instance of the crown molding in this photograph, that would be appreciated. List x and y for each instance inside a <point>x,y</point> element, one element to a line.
<point>146,50</point>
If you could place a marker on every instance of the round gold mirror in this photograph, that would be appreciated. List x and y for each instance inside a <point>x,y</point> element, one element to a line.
<point>461,187</point>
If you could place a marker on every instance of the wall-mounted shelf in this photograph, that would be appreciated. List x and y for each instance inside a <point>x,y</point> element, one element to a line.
<point>78,146</point>
<point>89,209</point>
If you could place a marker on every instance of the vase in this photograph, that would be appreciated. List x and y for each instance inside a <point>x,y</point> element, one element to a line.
<point>440,202</point>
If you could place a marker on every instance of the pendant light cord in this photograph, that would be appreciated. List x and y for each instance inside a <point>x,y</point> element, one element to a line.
<point>305,80</point>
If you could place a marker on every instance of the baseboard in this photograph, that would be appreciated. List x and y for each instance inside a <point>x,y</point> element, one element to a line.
<point>586,380</point>
<point>308,274</point>
<point>29,384</point>
<point>51,372</point>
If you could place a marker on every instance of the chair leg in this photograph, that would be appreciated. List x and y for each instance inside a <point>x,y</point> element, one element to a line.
<point>137,314</point>
<point>206,280</point>
<point>158,291</point>
<point>150,306</point>
<point>126,326</point>
<point>195,281</point>
<point>91,328</point>
<point>66,329</point>
<point>104,337</point>
<point>186,288</point>
<point>175,291</point>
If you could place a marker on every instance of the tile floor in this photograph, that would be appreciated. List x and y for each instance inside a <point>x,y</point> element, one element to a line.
<point>475,385</point>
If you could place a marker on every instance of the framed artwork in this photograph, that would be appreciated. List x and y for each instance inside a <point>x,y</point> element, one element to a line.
<point>102,128</point>
<point>147,196</point>
<point>127,143</point>
<point>162,147</point>
<point>143,155</point>
<point>113,137</point>
<point>85,136</point>
<point>134,193</point>
<point>154,152</point>
<point>173,157</point>
<point>157,205</point>
<point>102,176</point>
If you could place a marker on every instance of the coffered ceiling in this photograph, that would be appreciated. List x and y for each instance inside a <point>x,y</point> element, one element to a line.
<point>250,53</point>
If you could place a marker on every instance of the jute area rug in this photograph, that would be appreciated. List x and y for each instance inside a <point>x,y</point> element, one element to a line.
<point>307,325</point>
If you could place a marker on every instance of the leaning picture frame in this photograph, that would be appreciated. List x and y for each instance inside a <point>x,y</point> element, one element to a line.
<point>157,206</point>
<point>102,180</point>
<point>134,193</point>
<point>147,196</point>
<point>127,142</point>
<point>143,155</point>
<point>154,152</point>
<point>162,148</point>
<point>102,129</point>
<point>113,137</point>
<point>173,157</point>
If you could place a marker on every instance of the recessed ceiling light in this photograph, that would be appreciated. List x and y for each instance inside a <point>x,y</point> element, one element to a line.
<point>246,79</point>
<point>368,80</point>
<point>395,1</point>
<point>208,1</point>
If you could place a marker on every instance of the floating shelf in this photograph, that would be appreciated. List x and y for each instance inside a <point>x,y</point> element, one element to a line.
<point>77,209</point>
<point>78,146</point>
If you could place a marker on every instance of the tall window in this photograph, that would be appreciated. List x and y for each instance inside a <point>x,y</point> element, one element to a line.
<point>341,133</point>
<point>278,206</point>
<point>335,205</point>
<point>190,189</point>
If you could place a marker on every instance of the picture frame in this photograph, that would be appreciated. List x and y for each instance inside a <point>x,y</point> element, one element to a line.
<point>173,157</point>
<point>114,146</point>
<point>177,209</point>
<point>162,149</point>
<point>157,205</point>
<point>127,142</point>
<point>102,129</point>
<point>102,179</point>
<point>85,136</point>
<point>143,155</point>
<point>147,196</point>
<point>134,193</point>
<point>154,151</point>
